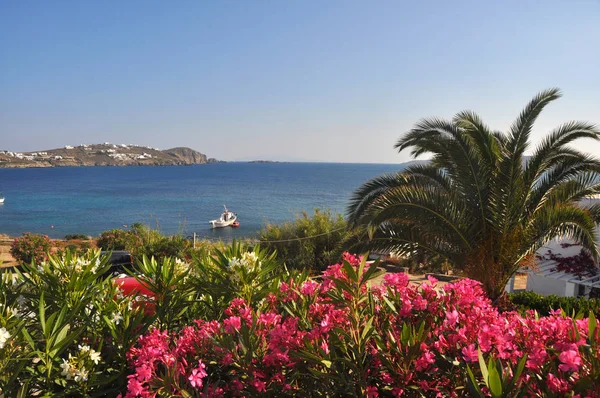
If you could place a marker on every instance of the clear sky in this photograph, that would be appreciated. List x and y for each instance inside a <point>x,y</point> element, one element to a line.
<point>286,80</point>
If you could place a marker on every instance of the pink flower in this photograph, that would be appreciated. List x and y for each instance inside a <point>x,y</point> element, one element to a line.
<point>325,347</point>
<point>308,288</point>
<point>135,387</point>
<point>232,324</point>
<point>452,317</point>
<point>143,373</point>
<point>470,353</point>
<point>372,392</point>
<point>259,385</point>
<point>570,361</point>
<point>397,280</point>
<point>197,375</point>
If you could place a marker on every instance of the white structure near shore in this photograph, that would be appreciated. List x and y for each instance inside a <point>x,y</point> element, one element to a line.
<point>546,279</point>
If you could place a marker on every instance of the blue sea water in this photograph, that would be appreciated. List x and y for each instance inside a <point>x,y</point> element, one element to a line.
<point>174,199</point>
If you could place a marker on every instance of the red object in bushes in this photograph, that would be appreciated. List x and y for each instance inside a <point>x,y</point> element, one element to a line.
<point>132,287</point>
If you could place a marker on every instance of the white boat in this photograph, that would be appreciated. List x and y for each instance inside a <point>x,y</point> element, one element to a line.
<point>227,219</point>
<point>1,198</point>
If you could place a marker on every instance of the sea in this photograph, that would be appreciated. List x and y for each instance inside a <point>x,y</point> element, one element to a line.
<point>175,199</point>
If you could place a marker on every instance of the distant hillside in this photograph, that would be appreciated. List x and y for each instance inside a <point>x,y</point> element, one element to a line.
<point>103,155</point>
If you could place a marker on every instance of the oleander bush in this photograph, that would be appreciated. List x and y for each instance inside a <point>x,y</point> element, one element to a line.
<point>234,322</point>
<point>65,330</point>
<point>326,233</point>
<point>345,336</point>
<point>544,305</point>
<point>30,247</point>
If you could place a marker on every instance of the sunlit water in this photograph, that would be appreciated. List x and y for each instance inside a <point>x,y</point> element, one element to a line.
<point>89,200</point>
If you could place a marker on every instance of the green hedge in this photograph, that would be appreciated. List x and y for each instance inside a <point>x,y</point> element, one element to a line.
<point>543,304</point>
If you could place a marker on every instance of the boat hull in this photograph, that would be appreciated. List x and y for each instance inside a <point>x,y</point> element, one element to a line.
<point>226,220</point>
<point>223,224</point>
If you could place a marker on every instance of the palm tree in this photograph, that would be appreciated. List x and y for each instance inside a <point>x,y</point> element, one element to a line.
<point>480,202</point>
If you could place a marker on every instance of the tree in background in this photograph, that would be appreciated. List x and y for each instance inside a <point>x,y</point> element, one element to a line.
<point>480,202</point>
<point>313,242</point>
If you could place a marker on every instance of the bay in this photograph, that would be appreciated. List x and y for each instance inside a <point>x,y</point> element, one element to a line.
<point>174,199</point>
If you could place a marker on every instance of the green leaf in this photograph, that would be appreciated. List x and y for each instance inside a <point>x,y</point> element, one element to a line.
<point>473,385</point>
<point>405,334</point>
<point>482,366</point>
<point>494,382</point>
<point>390,304</point>
<point>350,271</point>
<point>592,325</point>
<point>517,373</point>
<point>42,313</point>
<point>28,338</point>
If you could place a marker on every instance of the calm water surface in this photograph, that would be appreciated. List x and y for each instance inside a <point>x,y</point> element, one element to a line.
<point>89,200</point>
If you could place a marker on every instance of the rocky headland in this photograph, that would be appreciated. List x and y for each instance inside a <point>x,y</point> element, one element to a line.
<point>103,155</point>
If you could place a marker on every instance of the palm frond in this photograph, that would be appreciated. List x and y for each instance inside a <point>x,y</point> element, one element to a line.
<point>520,130</point>
<point>570,167</point>
<point>552,145</point>
<point>568,221</point>
<point>442,215</point>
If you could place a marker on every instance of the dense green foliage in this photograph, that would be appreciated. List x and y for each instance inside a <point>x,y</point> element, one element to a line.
<point>544,304</point>
<point>480,202</point>
<point>151,243</point>
<point>309,241</point>
<point>30,247</point>
<point>142,241</point>
<point>75,236</point>
<point>69,329</point>
<point>117,239</point>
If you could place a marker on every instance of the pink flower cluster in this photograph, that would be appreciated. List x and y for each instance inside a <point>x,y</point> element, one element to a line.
<point>305,337</point>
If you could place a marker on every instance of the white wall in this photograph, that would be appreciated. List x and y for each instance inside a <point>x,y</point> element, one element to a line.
<point>546,286</point>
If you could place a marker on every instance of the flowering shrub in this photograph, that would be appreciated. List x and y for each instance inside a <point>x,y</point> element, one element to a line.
<point>117,239</point>
<point>64,329</point>
<point>30,247</point>
<point>345,336</point>
<point>581,264</point>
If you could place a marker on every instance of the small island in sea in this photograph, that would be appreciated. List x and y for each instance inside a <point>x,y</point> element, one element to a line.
<point>106,154</point>
<point>265,161</point>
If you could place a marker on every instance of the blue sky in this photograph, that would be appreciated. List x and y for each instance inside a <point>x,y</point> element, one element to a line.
<point>286,80</point>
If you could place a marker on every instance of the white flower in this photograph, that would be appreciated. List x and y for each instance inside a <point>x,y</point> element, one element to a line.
<point>4,336</point>
<point>84,348</point>
<point>117,318</point>
<point>250,256</point>
<point>81,375</point>
<point>13,312</point>
<point>66,369</point>
<point>95,356</point>
<point>234,262</point>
